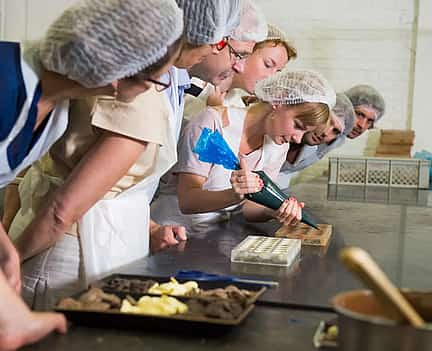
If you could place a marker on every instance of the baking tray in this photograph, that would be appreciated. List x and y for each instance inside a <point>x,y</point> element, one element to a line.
<point>205,285</point>
<point>185,323</point>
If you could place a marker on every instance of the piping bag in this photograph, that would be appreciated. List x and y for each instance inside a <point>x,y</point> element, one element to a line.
<point>211,147</point>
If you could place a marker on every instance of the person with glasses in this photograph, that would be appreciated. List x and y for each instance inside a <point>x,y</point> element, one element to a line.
<point>207,22</point>
<point>76,201</point>
<point>233,49</point>
<point>269,56</point>
<point>199,193</point>
<point>102,175</point>
<point>216,71</point>
<point>38,82</point>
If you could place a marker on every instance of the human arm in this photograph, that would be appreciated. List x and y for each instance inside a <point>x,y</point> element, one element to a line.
<point>12,204</point>
<point>9,261</point>
<point>104,164</point>
<point>11,201</point>
<point>194,199</point>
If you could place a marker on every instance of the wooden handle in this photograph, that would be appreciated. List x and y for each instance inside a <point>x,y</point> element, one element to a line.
<point>360,263</point>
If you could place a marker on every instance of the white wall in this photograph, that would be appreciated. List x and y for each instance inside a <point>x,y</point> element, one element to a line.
<point>353,42</point>
<point>349,41</point>
<point>422,116</point>
<point>28,19</point>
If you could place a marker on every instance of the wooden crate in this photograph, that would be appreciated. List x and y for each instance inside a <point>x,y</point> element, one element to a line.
<point>397,137</point>
<point>307,234</point>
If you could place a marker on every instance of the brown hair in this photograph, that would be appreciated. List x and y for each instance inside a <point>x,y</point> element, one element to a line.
<point>312,113</point>
<point>150,70</point>
<point>291,50</point>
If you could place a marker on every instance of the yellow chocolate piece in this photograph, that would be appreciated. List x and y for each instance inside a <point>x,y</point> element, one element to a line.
<point>160,306</point>
<point>174,288</point>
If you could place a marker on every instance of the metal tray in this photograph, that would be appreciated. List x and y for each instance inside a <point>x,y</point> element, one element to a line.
<point>204,285</point>
<point>181,323</point>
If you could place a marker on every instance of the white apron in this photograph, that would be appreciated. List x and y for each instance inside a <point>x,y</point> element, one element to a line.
<point>166,208</point>
<point>115,232</point>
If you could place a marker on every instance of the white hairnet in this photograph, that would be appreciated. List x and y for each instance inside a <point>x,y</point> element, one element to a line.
<point>209,21</point>
<point>96,42</point>
<point>253,25</point>
<point>275,33</point>
<point>365,95</point>
<point>290,87</point>
<point>344,111</point>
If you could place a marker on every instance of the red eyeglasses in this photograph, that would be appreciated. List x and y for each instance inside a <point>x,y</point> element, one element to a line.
<point>222,44</point>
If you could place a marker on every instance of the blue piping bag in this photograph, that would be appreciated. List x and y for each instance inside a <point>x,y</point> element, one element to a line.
<point>212,148</point>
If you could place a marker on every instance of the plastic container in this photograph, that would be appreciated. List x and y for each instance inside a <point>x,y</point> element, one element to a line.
<point>394,172</point>
<point>266,250</point>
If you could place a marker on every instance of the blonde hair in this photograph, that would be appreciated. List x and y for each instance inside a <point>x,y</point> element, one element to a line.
<point>274,42</point>
<point>312,113</point>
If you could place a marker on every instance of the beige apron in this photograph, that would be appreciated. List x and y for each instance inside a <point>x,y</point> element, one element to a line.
<point>115,231</point>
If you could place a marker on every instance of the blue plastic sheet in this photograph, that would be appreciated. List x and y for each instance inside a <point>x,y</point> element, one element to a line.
<point>211,147</point>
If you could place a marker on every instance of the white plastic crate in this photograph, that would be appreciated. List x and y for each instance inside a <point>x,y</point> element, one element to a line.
<point>266,250</point>
<point>377,171</point>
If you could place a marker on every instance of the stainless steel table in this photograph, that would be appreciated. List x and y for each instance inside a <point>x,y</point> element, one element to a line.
<point>399,236</point>
<point>278,328</point>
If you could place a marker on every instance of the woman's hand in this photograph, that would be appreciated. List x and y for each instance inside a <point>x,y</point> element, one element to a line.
<point>290,212</point>
<point>164,236</point>
<point>245,182</point>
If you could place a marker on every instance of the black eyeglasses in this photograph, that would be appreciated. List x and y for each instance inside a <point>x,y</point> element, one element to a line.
<point>235,54</point>
<point>160,85</point>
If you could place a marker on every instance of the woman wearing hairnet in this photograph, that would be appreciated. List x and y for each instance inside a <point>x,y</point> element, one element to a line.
<point>291,103</point>
<point>269,56</point>
<point>80,56</point>
<point>99,178</point>
<point>315,145</point>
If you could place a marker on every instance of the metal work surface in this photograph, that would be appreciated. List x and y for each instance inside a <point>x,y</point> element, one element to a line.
<point>399,237</point>
<point>278,328</point>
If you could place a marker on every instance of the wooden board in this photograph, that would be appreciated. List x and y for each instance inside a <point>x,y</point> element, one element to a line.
<point>308,235</point>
